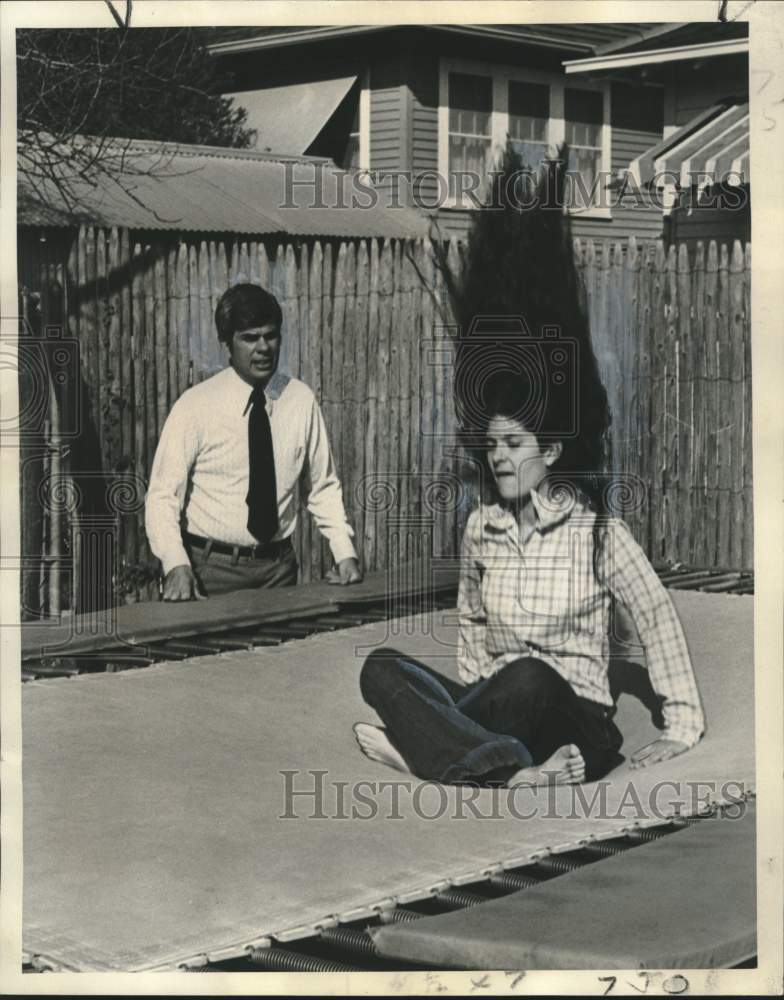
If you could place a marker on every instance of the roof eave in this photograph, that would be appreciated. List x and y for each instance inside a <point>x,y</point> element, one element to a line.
<point>604,64</point>
<point>241,45</point>
<point>623,44</point>
<point>310,35</point>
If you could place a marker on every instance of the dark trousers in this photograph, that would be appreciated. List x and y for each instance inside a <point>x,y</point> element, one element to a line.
<point>484,732</point>
<point>219,573</point>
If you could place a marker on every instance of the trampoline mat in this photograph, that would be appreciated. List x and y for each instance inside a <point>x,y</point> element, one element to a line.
<point>153,798</point>
<point>662,906</point>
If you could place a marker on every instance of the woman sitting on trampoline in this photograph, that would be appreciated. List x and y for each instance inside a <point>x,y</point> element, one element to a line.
<point>541,560</point>
<point>533,605</point>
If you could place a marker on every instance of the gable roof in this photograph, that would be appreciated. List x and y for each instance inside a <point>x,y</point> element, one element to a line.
<point>180,187</point>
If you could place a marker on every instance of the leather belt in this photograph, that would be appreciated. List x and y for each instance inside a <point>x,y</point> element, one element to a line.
<point>269,550</point>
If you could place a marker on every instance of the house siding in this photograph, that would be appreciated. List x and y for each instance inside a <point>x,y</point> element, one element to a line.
<point>423,86</point>
<point>706,224</point>
<point>637,118</point>
<point>691,91</point>
<point>385,115</point>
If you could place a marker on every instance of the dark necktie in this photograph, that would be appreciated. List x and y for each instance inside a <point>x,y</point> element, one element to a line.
<point>262,496</point>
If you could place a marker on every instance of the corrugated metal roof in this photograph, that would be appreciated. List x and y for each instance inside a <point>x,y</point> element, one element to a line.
<point>288,119</point>
<point>211,189</point>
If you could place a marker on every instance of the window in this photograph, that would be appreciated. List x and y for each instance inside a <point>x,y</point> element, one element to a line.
<point>584,114</point>
<point>482,105</point>
<point>470,134</point>
<point>529,111</point>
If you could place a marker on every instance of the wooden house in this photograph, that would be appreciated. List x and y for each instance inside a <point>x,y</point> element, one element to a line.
<point>428,107</point>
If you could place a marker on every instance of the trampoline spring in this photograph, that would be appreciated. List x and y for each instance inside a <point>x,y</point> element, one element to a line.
<point>512,881</point>
<point>603,848</point>
<point>647,833</point>
<point>398,915</point>
<point>559,864</point>
<point>350,940</point>
<point>458,899</point>
<point>283,960</point>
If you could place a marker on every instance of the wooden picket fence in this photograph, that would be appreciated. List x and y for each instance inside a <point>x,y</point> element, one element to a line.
<point>365,327</point>
<point>673,336</point>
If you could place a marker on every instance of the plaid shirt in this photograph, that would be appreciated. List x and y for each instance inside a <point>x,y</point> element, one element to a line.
<point>535,593</point>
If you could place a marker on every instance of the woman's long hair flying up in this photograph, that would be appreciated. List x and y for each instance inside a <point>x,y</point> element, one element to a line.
<point>524,343</point>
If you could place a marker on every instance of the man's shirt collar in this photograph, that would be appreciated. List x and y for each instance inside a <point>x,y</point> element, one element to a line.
<point>240,389</point>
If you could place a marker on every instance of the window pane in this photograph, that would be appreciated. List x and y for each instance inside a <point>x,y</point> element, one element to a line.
<point>584,166</point>
<point>529,100</point>
<point>530,153</point>
<point>580,134</point>
<point>584,110</point>
<point>529,108</point>
<point>470,103</point>
<point>466,155</point>
<point>584,106</point>
<point>528,128</point>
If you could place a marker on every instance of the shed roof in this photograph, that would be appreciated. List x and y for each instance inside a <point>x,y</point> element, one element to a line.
<point>179,187</point>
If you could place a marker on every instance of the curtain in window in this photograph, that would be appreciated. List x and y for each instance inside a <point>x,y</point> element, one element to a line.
<point>529,110</point>
<point>584,112</point>
<point>470,139</point>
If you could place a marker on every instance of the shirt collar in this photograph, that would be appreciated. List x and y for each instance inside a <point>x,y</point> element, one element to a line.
<point>551,507</point>
<point>240,389</point>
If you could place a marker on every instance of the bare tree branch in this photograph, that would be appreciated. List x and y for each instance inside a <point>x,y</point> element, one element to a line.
<point>82,93</point>
<point>121,23</point>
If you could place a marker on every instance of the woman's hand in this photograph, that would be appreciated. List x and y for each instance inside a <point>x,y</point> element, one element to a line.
<point>661,749</point>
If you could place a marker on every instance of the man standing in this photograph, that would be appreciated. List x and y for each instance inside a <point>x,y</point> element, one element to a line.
<point>221,507</point>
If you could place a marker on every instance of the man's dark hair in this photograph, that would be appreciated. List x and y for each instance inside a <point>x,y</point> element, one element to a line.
<point>245,307</point>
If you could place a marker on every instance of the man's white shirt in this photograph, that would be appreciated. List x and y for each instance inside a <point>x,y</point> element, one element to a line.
<point>201,466</point>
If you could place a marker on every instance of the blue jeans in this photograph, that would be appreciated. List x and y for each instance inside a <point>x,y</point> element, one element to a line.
<point>484,732</point>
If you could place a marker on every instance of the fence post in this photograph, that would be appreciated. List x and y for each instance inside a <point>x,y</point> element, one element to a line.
<point>748,499</point>
<point>353,449</point>
<point>683,546</point>
<point>724,416</point>
<point>657,406</point>
<point>364,362</point>
<point>699,374</point>
<point>735,399</point>
<point>315,333</point>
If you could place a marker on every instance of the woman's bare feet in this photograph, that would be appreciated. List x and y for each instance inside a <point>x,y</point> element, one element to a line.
<point>565,767</point>
<point>374,743</point>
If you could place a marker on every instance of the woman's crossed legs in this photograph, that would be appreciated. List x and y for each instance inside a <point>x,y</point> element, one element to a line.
<point>523,725</point>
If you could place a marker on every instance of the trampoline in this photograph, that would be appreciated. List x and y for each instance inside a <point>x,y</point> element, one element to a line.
<point>154,803</point>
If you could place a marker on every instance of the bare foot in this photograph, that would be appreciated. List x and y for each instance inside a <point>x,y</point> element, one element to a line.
<point>565,767</point>
<point>374,743</point>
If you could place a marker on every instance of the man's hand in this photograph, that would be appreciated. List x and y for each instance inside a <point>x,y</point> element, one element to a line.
<point>180,585</point>
<point>661,749</point>
<point>347,571</point>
